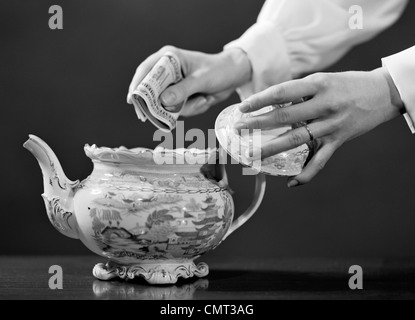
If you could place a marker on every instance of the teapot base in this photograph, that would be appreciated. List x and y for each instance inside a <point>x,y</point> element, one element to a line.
<point>153,273</point>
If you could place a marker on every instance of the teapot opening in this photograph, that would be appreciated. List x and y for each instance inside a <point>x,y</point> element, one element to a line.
<point>158,157</point>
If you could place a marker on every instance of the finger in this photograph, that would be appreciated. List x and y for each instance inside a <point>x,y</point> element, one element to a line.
<point>193,104</point>
<point>290,140</point>
<point>195,112</point>
<point>190,109</point>
<point>197,105</point>
<point>182,90</point>
<point>282,93</point>
<point>316,165</point>
<point>144,68</point>
<point>305,111</point>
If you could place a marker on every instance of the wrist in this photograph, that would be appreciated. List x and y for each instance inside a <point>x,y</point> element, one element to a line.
<point>240,65</point>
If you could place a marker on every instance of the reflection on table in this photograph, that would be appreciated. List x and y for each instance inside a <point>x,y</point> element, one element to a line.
<point>135,291</point>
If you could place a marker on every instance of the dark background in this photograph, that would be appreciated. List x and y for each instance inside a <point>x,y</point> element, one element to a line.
<point>69,87</point>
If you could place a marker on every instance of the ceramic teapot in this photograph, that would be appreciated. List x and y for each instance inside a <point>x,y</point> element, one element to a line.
<point>147,217</point>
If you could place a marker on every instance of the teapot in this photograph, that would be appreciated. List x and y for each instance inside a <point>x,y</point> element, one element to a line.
<point>148,216</point>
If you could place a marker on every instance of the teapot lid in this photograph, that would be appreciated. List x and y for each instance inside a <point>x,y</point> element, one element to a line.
<point>144,156</point>
<point>288,163</point>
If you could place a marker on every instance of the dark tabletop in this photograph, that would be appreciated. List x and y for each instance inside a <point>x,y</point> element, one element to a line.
<point>28,278</point>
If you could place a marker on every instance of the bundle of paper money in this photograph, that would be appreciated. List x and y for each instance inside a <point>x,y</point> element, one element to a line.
<point>146,97</point>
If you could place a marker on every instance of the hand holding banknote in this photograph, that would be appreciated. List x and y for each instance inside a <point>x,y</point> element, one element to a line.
<point>207,78</point>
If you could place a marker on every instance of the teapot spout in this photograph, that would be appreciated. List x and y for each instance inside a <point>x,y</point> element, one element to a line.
<point>59,191</point>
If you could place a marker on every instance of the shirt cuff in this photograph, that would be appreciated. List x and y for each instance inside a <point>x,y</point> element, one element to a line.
<point>267,52</point>
<point>401,67</point>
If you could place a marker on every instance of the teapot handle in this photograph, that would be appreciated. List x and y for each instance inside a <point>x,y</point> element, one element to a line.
<point>260,184</point>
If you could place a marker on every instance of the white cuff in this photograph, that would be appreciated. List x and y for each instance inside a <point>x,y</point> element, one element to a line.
<point>267,52</point>
<point>401,67</point>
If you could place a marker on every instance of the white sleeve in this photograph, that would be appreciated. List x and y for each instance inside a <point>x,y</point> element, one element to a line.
<point>293,37</point>
<point>401,67</point>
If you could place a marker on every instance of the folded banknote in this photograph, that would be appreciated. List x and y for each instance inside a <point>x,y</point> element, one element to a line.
<point>146,97</point>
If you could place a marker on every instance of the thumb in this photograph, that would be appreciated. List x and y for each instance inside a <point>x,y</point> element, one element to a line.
<point>180,91</point>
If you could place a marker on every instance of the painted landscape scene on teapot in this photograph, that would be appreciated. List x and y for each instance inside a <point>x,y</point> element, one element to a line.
<point>165,226</point>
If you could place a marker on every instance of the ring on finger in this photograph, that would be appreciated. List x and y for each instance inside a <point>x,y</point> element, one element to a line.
<point>310,133</point>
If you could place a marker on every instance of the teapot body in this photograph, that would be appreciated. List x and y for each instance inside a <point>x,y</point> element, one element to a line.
<point>151,214</point>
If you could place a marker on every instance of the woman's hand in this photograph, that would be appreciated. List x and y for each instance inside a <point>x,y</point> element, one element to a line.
<point>339,107</point>
<point>208,78</point>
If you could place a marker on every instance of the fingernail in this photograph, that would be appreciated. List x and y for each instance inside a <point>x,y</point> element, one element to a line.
<point>293,183</point>
<point>240,125</point>
<point>168,98</point>
<point>202,101</point>
<point>171,109</point>
<point>129,96</point>
<point>245,106</point>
